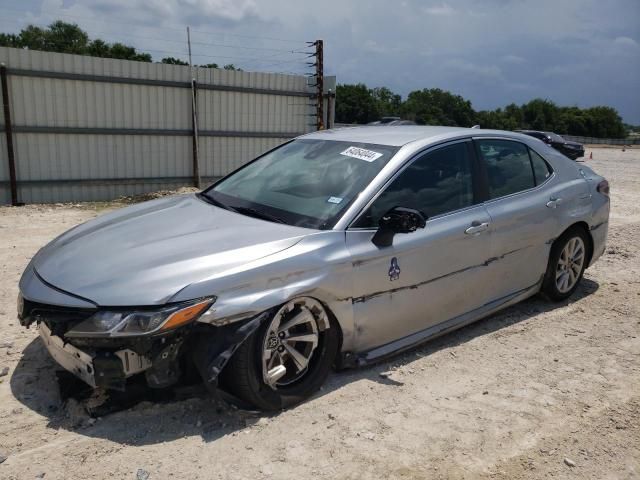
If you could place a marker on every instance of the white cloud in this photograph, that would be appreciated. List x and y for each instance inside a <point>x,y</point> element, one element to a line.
<point>515,59</point>
<point>626,42</point>
<point>231,9</point>
<point>489,71</point>
<point>439,10</point>
<point>492,52</point>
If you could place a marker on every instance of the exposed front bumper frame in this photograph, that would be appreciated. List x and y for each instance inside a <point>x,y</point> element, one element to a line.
<point>87,366</point>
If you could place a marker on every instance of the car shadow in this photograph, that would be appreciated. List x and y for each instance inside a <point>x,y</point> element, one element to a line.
<point>145,416</point>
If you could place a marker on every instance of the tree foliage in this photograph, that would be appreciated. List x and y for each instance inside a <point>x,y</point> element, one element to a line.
<point>356,104</point>
<point>433,106</point>
<point>173,61</point>
<point>387,102</point>
<point>66,37</point>
<point>360,104</point>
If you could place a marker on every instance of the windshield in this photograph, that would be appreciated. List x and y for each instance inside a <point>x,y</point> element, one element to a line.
<point>308,183</point>
<point>555,137</point>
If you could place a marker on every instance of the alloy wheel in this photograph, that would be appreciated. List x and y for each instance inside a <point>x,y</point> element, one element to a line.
<point>570,264</point>
<point>289,344</point>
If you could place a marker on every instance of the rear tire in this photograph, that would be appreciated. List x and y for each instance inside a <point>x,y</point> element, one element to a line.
<point>244,375</point>
<point>567,261</point>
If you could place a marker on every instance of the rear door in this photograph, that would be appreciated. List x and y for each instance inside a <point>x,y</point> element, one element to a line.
<point>520,203</point>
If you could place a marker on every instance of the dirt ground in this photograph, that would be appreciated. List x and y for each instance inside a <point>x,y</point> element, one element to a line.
<point>540,390</point>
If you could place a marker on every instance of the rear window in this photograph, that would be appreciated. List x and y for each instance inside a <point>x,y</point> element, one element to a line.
<point>508,166</point>
<point>541,168</point>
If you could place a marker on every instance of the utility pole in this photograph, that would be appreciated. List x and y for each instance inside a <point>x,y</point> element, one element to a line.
<point>194,118</point>
<point>320,84</point>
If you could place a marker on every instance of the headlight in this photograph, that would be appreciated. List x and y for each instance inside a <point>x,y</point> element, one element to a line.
<point>113,323</point>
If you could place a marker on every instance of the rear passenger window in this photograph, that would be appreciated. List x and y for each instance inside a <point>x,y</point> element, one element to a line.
<point>541,168</point>
<point>508,166</point>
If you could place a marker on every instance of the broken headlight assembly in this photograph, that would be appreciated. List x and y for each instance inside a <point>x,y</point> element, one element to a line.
<point>127,323</point>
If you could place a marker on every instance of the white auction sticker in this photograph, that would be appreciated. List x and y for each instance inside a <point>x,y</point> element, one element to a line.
<point>335,200</point>
<point>362,154</point>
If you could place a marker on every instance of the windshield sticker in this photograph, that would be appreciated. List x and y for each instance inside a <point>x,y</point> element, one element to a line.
<point>335,200</point>
<point>362,154</point>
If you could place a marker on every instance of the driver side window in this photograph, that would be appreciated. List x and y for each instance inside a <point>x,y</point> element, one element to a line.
<point>436,183</point>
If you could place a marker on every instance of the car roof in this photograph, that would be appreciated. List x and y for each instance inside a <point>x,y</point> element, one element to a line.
<point>396,135</point>
<point>531,131</point>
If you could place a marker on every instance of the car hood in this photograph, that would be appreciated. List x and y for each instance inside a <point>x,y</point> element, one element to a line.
<point>573,144</point>
<point>146,253</point>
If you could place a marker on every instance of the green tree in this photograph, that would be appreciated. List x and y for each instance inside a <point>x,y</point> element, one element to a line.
<point>433,106</point>
<point>514,115</point>
<point>124,52</point>
<point>10,40</point>
<point>497,119</point>
<point>33,38</point>
<point>98,48</point>
<point>388,103</point>
<point>604,122</point>
<point>355,104</point>
<point>173,61</point>
<point>66,37</point>
<point>540,114</point>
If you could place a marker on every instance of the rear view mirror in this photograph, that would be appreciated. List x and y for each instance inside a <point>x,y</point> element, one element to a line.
<point>397,220</point>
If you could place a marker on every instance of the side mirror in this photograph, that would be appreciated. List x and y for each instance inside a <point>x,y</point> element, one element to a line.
<point>397,220</point>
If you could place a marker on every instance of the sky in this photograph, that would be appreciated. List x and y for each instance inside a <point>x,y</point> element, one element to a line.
<point>492,52</point>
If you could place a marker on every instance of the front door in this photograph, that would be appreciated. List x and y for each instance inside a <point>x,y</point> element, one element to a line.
<point>431,275</point>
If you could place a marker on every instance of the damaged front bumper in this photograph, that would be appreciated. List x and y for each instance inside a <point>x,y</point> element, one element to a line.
<point>162,358</point>
<point>106,369</point>
<point>107,361</point>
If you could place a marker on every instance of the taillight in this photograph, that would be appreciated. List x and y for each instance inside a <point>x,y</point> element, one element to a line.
<point>603,188</point>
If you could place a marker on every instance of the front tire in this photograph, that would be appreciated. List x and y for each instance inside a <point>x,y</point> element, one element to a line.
<point>286,359</point>
<point>567,262</point>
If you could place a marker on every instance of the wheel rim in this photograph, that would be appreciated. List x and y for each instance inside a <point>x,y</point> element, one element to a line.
<point>289,345</point>
<point>570,264</point>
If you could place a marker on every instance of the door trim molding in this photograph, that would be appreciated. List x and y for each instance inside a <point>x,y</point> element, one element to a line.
<point>415,339</point>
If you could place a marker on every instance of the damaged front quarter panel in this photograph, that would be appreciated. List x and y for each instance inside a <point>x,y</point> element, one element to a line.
<point>212,346</point>
<point>318,266</point>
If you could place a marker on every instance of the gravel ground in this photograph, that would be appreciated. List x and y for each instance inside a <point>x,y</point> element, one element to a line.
<point>540,390</point>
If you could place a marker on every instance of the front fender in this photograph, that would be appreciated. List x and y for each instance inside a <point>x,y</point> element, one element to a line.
<point>319,266</point>
<point>214,346</point>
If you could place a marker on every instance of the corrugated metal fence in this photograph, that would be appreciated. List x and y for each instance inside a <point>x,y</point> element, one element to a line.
<point>602,141</point>
<point>89,128</point>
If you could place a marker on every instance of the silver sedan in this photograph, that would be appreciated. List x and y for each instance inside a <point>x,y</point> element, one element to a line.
<point>338,248</point>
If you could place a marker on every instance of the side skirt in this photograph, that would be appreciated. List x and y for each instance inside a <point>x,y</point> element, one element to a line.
<point>415,339</point>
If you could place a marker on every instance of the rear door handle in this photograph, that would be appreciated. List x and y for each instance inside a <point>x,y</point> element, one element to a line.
<point>554,202</point>
<point>476,227</point>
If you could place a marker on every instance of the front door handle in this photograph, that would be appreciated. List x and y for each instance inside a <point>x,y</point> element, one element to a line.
<point>554,202</point>
<point>476,227</point>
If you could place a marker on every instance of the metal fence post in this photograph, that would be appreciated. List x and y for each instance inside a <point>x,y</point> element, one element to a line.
<point>194,118</point>
<point>330,103</point>
<point>9,134</point>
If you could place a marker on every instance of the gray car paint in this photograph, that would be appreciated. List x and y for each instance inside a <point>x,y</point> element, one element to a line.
<point>183,248</point>
<point>143,255</point>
